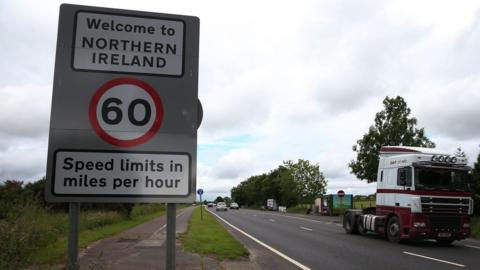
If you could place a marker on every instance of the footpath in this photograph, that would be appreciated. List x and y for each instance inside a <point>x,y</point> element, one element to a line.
<point>143,247</point>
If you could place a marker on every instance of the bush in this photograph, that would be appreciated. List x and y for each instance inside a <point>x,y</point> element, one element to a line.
<point>24,231</point>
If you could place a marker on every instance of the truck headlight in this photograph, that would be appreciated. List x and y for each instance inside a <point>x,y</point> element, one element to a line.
<point>420,224</point>
<point>416,205</point>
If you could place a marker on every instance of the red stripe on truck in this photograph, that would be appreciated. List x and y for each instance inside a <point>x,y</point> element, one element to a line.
<point>425,192</point>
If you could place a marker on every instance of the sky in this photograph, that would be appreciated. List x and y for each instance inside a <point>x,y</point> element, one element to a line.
<point>278,80</point>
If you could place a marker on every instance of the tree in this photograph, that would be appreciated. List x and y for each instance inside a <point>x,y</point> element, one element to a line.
<point>393,126</point>
<point>475,185</point>
<point>309,179</point>
<point>218,199</point>
<point>227,200</point>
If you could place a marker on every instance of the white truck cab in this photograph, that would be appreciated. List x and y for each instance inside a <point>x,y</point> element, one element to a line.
<point>422,193</point>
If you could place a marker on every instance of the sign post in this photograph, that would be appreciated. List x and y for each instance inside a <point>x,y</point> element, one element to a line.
<point>125,110</point>
<point>200,192</point>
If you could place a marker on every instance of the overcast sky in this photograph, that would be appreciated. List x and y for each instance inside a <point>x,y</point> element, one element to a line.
<point>279,80</point>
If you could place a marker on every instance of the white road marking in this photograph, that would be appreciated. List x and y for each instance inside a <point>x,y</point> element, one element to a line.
<point>272,220</point>
<point>472,246</point>
<point>433,259</point>
<point>328,223</point>
<point>307,219</point>
<point>254,215</point>
<point>305,228</point>
<point>157,232</point>
<point>301,266</point>
<point>339,225</point>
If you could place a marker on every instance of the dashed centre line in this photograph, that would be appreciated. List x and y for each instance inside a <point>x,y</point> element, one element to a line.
<point>272,220</point>
<point>472,246</point>
<point>305,228</point>
<point>433,259</point>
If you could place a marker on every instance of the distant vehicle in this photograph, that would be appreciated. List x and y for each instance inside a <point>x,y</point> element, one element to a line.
<point>210,204</point>
<point>221,206</point>
<point>421,194</point>
<point>272,205</point>
<point>234,205</point>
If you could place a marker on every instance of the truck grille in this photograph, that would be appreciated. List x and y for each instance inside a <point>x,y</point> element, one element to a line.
<point>445,223</point>
<point>433,205</point>
<point>444,209</point>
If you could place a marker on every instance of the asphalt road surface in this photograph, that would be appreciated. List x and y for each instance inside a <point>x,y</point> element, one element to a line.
<point>309,242</point>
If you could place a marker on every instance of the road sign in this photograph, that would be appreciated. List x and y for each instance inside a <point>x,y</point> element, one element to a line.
<point>200,191</point>
<point>125,107</point>
<point>341,193</point>
<point>126,104</point>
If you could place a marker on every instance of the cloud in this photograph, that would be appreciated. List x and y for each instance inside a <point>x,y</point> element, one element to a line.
<point>25,111</point>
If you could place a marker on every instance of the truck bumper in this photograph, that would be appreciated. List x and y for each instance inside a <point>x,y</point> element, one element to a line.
<point>458,231</point>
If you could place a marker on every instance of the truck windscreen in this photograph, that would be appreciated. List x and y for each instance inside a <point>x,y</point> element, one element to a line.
<point>443,179</point>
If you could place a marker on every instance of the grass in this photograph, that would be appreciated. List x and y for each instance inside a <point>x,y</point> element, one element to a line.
<point>33,236</point>
<point>476,226</point>
<point>207,236</point>
<point>298,209</point>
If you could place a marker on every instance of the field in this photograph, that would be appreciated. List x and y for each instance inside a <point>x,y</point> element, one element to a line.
<point>362,204</point>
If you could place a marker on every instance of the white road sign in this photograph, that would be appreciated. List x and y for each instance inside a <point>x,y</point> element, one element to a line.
<point>125,108</point>
<point>134,44</point>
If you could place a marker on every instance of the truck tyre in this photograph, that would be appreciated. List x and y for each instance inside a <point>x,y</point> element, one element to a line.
<point>349,223</point>
<point>445,242</point>
<point>360,226</point>
<point>393,229</point>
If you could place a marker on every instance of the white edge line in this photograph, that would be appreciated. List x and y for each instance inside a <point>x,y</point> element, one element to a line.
<point>433,259</point>
<point>305,228</point>
<point>265,245</point>
<point>472,246</point>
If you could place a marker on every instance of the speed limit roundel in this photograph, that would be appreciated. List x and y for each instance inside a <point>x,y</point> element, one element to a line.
<point>126,112</point>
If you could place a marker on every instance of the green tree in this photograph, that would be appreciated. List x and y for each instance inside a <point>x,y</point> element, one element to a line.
<point>309,180</point>
<point>475,185</point>
<point>393,126</point>
<point>218,199</point>
<point>227,200</point>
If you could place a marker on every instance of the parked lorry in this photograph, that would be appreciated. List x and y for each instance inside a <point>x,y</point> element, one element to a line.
<point>421,194</point>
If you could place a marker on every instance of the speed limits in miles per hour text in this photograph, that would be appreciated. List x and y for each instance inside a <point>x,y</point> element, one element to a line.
<point>121,173</point>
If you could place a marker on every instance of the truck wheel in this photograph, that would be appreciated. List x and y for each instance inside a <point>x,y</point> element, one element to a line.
<point>393,229</point>
<point>445,242</point>
<point>360,228</point>
<point>349,223</point>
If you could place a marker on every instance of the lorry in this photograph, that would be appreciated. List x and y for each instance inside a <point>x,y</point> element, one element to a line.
<point>272,205</point>
<point>422,193</point>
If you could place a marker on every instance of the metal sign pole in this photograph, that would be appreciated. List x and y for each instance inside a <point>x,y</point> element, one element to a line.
<point>74,213</point>
<point>201,208</point>
<point>170,258</point>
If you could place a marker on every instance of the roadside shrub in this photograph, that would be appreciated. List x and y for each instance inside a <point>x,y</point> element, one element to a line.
<point>23,231</point>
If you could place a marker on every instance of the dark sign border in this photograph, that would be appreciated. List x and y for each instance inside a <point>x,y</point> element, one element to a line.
<point>133,16</point>
<point>119,196</point>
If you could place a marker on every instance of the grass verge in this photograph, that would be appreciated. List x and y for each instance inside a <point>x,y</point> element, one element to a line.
<point>56,252</point>
<point>476,226</point>
<point>208,236</point>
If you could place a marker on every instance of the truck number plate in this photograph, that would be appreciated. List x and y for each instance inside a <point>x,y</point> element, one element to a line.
<point>444,234</point>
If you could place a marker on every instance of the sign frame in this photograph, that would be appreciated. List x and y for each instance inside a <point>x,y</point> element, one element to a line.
<point>73,88</point>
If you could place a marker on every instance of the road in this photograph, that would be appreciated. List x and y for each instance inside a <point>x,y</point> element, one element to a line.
<point>321,243</point>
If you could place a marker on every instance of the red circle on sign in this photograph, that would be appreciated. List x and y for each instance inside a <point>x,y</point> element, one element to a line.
<point>119,142</point>
<point>341,193</point>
